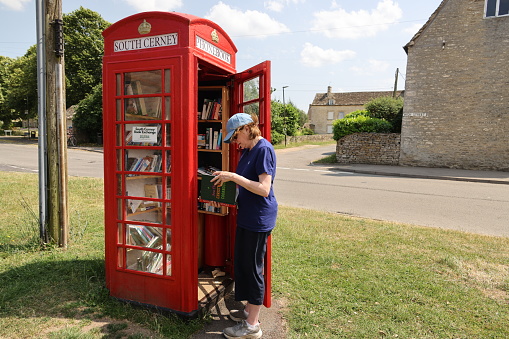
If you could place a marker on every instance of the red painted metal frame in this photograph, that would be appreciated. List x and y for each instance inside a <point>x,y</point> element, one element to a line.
<point>178,292</point>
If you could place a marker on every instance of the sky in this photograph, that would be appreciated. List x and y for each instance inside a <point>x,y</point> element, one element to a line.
<point>352,46</point>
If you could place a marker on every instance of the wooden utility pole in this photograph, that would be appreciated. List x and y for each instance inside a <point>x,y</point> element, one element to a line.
<point>57,209</point>
<point>395,83</point>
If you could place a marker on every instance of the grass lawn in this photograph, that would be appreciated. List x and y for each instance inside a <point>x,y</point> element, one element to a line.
<point>339,277</point>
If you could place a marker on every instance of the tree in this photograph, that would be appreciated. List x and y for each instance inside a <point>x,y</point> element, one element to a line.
<point>89,114</point>
<point>84,49</point>
<point>5,112</point>
<point>20,87</point>
<point>284,120</point>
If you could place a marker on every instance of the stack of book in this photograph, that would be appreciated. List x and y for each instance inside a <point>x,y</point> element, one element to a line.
<point>149,163</point>
<point>212,110</point>
<point>212,139</point>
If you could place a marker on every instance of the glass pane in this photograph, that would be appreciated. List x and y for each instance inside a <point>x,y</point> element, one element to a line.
<point>503,8</point>
<point>167,82</point>
<point>168,161</point>
<point>120,238</point>
<point>120,257</point>
<point>143,135</point>
<point>167,108</point>
<point>144,186</point>
<point>118,84</point>
<point>168,188</point>
<point>140,83</point>
<point>143,108</point>
<point>119,184</point>
<point>144,261</point>
<point>143,160</point>
<point>118,109</point>
<point>119,135</point>
<point>253,108</point>
<point>143,210</point>
<point>168,239</point>
<point>144,236</point>
<point>168,214</point>
<point>168,134</point>
<point>168,264</point>
<point>119,160</point>
<point>120,215</point>
<point>491,7</point>
<point>252,89</point>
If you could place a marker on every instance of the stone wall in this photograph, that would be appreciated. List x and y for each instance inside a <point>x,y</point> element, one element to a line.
<point>314,137</point>
<point>456,111</point>
<point>369,148</point>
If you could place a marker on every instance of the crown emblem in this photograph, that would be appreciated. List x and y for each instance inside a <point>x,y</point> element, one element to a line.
<point>214,36</point>
<point>144,27</point>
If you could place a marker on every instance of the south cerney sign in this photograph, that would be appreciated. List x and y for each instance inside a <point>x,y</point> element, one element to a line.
<point>146,42</point>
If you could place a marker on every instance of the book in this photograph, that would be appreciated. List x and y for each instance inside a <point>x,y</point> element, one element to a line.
<point>214,141</point>
<point>225,195</point>
<point>153,191</point>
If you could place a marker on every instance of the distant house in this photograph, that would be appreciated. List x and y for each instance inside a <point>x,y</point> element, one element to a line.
<point>69,115</point>
<point>456,110</point>
<point>327,107</point>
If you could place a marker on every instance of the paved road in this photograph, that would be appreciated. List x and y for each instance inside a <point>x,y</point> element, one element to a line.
<point>468,206</point>
<point>24,158</point>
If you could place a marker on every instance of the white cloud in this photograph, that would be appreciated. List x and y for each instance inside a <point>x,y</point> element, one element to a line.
<point>356,24</point>
<point>16,5</point>
<point>278,5</point>
<point>154,5</point>
<point>248,23</point>
<point>314,56</point>
<point>372,67</point>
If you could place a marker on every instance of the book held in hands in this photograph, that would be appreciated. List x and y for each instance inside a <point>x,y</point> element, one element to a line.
<point>225,194</point>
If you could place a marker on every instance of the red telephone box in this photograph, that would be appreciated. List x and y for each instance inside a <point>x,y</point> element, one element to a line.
<point>169,86</point>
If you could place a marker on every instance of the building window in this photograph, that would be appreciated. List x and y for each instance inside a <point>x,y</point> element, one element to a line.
<point>341,115</point>
<point>496,8</point>
<point>331,102</point>
<point>330,116</point>
<point>329,129</point>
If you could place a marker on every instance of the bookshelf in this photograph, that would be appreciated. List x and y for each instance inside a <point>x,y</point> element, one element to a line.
<point>213,114</point>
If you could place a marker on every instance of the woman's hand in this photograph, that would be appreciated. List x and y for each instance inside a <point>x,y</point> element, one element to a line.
<point>220,177</point>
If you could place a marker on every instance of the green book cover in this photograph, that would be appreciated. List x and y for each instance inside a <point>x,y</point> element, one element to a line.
<point>225,195</point>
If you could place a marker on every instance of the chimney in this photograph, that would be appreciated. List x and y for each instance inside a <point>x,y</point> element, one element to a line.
<point>329,90</point>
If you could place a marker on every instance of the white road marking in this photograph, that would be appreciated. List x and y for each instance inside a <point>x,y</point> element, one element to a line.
<point>314,170</point>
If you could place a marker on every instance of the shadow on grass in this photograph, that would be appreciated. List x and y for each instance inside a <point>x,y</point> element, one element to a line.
<point>71,289</point>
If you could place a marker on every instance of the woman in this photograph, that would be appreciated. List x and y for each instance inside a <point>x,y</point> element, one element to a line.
<point>256,217</point>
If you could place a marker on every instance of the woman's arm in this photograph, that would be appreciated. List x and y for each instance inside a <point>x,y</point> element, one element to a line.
<point>260,187</point>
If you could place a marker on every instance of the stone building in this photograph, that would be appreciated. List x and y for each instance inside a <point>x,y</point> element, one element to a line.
<point>456,110</point>
<point>327,107</point>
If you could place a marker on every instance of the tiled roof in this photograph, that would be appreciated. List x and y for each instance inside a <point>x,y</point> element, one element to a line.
<point>351,98</point>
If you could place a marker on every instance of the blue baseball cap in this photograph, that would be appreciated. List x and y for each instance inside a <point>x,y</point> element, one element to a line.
<point>236,121</point>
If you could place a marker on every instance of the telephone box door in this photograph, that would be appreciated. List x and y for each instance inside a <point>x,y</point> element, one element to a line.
<point>251,95</point>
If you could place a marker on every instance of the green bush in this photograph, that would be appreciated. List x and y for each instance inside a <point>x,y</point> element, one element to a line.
<point>307,131</point>
<point>276,137</point>
<point>360,124</point>
<point>386,108</point>
<point>357,113</point>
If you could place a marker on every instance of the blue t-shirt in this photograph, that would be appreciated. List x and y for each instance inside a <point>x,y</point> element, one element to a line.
<point>257,213</point>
